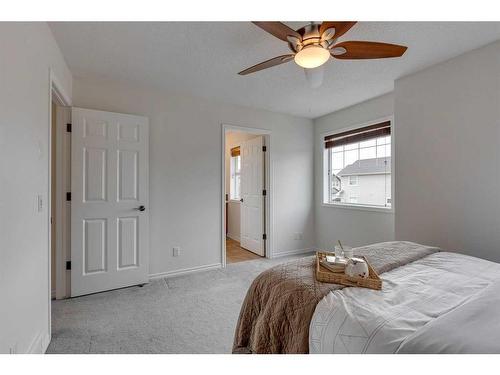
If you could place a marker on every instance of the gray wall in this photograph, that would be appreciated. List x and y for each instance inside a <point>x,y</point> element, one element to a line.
<point>354,227</point>
<point>27,51</point>
<point>185,170</point>
<point>448,154</point>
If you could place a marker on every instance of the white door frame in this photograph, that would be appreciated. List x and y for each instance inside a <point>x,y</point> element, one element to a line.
<point>269,186</point>
<point>56,89</point>
<point>63,207</point>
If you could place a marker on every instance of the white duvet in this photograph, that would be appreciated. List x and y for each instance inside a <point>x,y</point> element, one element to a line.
<point>443,303</point>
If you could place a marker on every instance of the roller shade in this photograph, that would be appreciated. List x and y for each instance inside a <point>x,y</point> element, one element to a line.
<point>358,135</point>
<point>235,151</point>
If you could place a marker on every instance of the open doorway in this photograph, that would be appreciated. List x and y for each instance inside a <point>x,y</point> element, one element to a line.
<point>60,143</point>
<point>246,189</point>
<point>53,140</point>
<point>58,207</point>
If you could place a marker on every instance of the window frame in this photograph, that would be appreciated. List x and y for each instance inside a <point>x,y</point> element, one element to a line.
<point>327,167</point>
<point>232,177</point>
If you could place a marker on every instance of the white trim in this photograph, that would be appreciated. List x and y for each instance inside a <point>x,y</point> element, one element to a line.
<point>58,89</point>
<point>269,178</point>
<point>325,192</point>
<point>356,126</point>
<point>39,344</point>
<point>233,237</point>
<point>184,271</point>
<point>359,207</point>
<point>294,252</point>
<point>363,174</point>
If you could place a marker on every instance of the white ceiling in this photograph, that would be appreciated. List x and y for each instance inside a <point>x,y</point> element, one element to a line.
<point>203,59</point>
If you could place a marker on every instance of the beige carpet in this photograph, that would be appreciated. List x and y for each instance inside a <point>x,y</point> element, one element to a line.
<point>195,313</point>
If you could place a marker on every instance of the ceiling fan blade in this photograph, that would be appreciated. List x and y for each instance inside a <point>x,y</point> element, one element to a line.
<point>366,50</point>
<point>267,64</point>
<point>278,29</point>
<point>340,27</point>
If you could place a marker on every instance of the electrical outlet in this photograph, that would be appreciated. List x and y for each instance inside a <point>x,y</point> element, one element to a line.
<point>176,251</point>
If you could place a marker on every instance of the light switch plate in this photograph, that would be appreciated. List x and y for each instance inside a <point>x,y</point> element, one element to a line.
<point>176,251</point>
<point>39,203</point>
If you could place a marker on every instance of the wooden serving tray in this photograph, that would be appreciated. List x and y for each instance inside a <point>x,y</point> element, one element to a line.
<point>324,275</point>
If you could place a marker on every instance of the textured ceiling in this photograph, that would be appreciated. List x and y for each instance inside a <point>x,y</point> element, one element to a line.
<point>203,59</point>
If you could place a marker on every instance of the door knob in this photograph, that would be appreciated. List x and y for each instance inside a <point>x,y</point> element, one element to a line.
<point>241,200</point>
<point>141,208</point>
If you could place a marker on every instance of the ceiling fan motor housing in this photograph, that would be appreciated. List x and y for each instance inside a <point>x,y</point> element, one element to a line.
<point>311,37</point>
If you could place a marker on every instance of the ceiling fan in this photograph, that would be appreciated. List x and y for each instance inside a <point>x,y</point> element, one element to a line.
<point>313,44</point>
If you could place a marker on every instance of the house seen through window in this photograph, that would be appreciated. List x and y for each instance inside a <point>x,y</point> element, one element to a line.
<point>359,166</point>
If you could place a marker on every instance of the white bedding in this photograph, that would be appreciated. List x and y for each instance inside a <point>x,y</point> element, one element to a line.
<point>443,303</point>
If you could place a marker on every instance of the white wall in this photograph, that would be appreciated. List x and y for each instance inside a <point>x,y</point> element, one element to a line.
<point>185,170</point>
<point>448,154</point>
<point>351,226</point>
<point>233,139</point>
<point>27,50</point>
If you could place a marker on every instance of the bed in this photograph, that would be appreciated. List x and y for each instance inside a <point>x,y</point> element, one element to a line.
<point>431,302</point>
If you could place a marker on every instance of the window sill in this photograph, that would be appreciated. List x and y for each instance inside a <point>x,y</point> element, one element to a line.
<point>359,207</point>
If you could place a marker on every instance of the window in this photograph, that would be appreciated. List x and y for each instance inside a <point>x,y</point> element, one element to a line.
<point>359,166</point>
<point>235,169</point>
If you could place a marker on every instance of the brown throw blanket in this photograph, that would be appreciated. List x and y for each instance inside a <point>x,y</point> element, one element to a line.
<point>280,303</point>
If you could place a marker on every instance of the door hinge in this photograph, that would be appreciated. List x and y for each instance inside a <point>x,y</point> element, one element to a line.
<point>68,127</point>
<point>264,236</point>
<point>68,196</point>
<point>68,265</point>
<point>264,148</point>
<point>264,192</point>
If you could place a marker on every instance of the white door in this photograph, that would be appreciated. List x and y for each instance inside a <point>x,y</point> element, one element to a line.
<point>252,186</point>
<point>109,201</point>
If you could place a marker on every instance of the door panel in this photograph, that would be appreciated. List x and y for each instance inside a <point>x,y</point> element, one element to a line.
<point>109,181</point>
<point>127,242</point>
<point>128,183</point>
<point>252,185</point>
<point>95,246</point>
<point>128,132</point>
<point>94,171</point>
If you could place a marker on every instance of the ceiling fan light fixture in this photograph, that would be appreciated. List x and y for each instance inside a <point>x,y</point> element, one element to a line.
<point>312,57</point>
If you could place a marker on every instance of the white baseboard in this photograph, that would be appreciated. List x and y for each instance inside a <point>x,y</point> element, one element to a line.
<point>39,344</point>
<point>233,237</point>
<point>184,271</point>
<point>293,252</point>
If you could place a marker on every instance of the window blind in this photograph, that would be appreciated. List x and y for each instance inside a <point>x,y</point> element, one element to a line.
<point>358,135</point>
<point>235,151</point>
